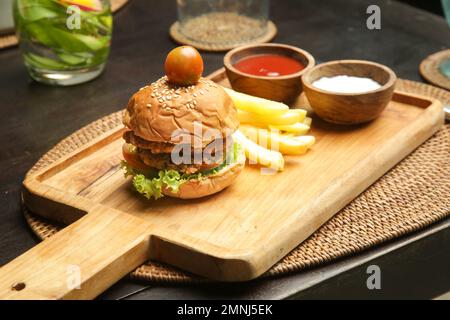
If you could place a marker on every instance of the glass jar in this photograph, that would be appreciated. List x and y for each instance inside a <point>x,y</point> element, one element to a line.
<point>64,42</point>
<point>445,65</point>
<point>231,22</point>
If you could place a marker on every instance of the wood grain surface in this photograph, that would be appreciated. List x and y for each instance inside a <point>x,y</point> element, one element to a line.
<point>233,236</point>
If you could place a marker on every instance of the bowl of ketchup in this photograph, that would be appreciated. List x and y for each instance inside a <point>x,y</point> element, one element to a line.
<point>271,71</point>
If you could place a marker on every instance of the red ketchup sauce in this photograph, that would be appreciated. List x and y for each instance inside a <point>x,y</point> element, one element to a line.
<point>269,65</point>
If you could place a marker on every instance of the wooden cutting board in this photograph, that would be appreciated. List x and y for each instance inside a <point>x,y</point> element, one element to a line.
<point>234,235</point>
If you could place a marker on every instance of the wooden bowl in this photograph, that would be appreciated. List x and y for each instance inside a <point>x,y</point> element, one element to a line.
<point>349,108</point>
<point>282,88</point>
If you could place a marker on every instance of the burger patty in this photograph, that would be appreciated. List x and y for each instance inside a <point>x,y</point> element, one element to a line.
<point>158,155</point>
<point>155,147</point>
<point>163,161</point>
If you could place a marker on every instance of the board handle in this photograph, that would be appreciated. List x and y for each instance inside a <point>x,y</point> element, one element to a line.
<point>80,261</point>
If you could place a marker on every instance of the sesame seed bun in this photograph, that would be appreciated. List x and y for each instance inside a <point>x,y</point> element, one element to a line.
<point>212,184</point>
<point>156,111</point>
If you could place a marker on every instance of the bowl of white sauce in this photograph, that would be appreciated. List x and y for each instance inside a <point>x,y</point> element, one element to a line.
<point>349,91</point>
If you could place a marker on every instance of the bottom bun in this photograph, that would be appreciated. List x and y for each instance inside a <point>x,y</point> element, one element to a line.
<point>204,187</point>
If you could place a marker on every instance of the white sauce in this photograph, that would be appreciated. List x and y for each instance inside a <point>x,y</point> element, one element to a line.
<point>346,84</point>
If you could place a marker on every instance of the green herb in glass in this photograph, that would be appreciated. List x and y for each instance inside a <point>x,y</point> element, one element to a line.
<point>64,42</point>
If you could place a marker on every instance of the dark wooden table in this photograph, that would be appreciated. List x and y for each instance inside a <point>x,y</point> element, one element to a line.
<point>34,117</point>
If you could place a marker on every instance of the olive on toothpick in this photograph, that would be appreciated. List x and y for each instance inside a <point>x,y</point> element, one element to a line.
<point>184,66</point>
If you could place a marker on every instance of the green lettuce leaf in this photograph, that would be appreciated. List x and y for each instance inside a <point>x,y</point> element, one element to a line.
<point>150,184</point>
<point>171,179</point>
<point>150,188</point>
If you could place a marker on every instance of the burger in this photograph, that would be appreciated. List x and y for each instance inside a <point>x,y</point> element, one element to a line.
<point>178,141</point>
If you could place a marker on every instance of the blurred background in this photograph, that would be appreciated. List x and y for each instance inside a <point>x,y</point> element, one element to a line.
<point>6,20</point>
<point>430,5</point>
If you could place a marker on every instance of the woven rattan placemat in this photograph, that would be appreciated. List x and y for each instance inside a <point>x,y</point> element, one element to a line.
<point>10,40</point>
<point>180,38</point>
<point>411,196</point>
<point>429,69</point>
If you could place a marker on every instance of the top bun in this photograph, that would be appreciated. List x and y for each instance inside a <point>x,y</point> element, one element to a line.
<point>156,111</point>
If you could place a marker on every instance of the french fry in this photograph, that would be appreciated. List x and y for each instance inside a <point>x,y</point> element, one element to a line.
<point>261,122</point>
<point>307,121</point>
<point>297,128</point>
<point>256,105</point>
<point>257,154</point>
<point>301,112</point>
<point>279,142</point>
<point>308,140</point>
<point>287,117</point>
